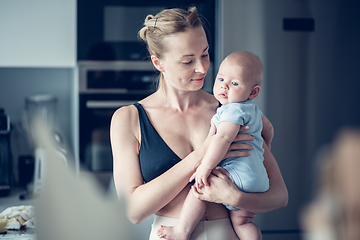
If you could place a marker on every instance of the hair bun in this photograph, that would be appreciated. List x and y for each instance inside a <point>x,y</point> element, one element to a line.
<point>148,18</point>
<point>147,23</point>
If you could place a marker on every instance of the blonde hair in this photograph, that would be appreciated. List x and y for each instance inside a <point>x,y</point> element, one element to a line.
<point>165,23</point>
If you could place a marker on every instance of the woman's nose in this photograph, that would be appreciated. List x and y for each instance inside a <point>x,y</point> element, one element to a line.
<point>200,68</point>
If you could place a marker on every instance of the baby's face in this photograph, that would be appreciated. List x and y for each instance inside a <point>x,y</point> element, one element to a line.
<point>231,84</point>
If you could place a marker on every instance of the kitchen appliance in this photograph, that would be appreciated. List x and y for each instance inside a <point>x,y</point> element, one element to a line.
<point>5,155</point>
<point>104,87</point>
<point>26,165</point>
<point>107,29</point>
<point>41,110</point>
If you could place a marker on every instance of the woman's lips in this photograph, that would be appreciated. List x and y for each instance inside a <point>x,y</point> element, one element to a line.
<point>198,79</point>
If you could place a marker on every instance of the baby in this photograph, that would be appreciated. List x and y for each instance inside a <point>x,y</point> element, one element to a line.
<point>236,86</point>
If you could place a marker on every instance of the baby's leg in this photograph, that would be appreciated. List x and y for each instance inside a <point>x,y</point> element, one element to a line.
<point>191,213</point>
<point>243,225</point>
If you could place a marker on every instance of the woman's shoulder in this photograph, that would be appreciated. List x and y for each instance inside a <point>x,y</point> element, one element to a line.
<point>131,111</point>
<point>125,123</point>
<point>125,115</point>
<point>129,114</point>
<point>150,101</point>
<point>125,111</point>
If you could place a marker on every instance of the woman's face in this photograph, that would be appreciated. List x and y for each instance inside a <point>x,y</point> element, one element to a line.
<point>186,61</point>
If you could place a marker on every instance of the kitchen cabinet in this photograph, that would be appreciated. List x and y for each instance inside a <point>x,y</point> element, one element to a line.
<point>38,33</point>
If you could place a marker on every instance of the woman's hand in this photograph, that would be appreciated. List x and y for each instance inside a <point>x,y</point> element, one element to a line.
<point>232,152</point>
<point>220,189</point>
<point>240,146</point>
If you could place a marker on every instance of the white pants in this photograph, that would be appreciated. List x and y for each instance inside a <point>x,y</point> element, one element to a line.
<point>220,229</point>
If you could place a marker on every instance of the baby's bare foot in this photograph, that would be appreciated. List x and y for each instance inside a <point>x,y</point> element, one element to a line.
<point>172,233</point>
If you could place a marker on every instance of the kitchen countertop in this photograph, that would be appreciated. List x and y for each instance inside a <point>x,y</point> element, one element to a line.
<point>14,200</point>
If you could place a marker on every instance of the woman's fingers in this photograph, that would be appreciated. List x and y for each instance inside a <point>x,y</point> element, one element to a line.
<point>236,154</point>
<point>243,128</point>
<point>240,146</point>
<point>245,148</point>
<point>243,137</point>
<point>219,189</point>
<point>220,172</point>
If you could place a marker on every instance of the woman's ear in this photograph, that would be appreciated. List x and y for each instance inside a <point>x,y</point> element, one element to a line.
<point>254,92</point>
<point>157,63</point>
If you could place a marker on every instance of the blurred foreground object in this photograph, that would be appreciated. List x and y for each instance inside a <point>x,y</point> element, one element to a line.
<point>335,212</point>
<point>73,207</point>
<point>41,108</point>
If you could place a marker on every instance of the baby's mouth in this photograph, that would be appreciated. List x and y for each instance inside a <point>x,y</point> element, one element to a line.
<point>223,95</point>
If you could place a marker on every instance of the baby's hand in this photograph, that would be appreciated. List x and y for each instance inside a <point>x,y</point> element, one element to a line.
<point>201,175</point>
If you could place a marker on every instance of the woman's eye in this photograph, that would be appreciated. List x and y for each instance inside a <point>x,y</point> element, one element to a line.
<point>205,55</point>
<point>187,63</point>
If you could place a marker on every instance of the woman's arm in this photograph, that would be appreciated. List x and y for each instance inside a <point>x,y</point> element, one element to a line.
<point>267,132</point>
<point>146,199</point>
<point>143,199</point>
<point>222,190</point>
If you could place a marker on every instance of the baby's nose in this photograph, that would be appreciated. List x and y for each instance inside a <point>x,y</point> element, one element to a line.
<point>224,86</point>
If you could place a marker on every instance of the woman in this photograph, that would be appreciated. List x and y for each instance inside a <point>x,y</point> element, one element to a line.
<point>158,143</point>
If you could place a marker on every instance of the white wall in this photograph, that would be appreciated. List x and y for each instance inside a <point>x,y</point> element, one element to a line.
<point>38,33</point>
<point>239,27</point>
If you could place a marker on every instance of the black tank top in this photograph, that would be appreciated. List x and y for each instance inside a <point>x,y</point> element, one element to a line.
<point>155,156</point>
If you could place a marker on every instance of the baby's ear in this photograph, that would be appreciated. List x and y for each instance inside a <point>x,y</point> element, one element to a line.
<point>254,92</point>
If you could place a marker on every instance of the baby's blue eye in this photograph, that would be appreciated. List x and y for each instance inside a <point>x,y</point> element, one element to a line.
<point>234,83</point>
<point>221,79</point>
